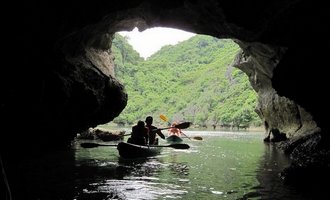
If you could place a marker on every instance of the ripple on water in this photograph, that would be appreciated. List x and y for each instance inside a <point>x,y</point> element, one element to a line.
<point>216,192</point>
<point>141,189</point>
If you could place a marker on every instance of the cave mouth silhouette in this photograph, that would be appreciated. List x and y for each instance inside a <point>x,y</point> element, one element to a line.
<point>57,90</point>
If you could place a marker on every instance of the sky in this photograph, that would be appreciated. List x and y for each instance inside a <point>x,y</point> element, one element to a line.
<point>151,40</point>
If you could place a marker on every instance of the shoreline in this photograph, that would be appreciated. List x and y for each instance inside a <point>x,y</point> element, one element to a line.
<point>250,129</point>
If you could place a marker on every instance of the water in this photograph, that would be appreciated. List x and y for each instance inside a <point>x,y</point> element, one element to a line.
<point>224,165</point>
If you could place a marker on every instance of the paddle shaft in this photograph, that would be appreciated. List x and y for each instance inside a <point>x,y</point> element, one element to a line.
<point>195,137</point>
<point>175,146</point>
<point>179,126</point>
<point>93,145</point>
<point>185,135</point>
<point>108,145</point>
<point>161,128</point>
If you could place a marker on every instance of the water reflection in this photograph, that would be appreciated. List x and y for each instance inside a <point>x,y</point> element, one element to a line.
<point>268,175</point>
<point>122,179</point>
<point>142,179</point>
<point>222,166</point>
<point>104,175</point>
<point>142,169</point>
<point>178,169</point>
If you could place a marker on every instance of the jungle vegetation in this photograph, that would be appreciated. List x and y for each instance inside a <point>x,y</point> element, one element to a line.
<point>194,80</point>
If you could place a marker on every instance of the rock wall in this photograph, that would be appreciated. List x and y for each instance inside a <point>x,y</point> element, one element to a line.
<point>258,61</point>
<point>64,81</point>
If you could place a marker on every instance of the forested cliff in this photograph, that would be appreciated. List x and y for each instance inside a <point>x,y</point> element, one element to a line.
<point>193,80</point>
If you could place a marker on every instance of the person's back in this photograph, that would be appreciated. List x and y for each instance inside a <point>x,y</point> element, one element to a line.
<point>139,134</point>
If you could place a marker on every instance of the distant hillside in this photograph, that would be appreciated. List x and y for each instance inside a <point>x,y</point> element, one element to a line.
<point>191,81</point>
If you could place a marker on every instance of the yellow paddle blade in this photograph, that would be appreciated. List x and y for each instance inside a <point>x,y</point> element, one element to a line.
<point>163,117</point>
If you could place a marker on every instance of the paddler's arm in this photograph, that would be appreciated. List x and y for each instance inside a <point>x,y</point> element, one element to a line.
<point>159,132</point>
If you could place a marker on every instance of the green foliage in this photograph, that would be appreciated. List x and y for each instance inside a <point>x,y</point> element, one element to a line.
<point>191,81</point>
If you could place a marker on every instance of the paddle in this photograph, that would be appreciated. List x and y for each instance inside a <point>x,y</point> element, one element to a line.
<point>93,145</point>
<point>165,119</point>
<point>175,146</point>
<point>183,125</point>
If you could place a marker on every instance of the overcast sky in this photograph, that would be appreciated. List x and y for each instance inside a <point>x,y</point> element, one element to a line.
<point>151,40</point>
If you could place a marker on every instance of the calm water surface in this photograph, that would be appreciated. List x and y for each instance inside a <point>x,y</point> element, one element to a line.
<point>224,165</point>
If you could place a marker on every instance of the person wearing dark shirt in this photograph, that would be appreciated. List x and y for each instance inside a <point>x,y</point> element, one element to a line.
<point>153,130</point>
<point>139,134</point>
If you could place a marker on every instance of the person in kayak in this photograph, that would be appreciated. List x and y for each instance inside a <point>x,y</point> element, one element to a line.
<point>153,130</point>
<point>174,131</point>
<point>139,134</point>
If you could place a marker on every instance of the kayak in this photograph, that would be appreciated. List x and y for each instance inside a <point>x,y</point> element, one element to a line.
<point>174,139</point>
<point>128,150</point>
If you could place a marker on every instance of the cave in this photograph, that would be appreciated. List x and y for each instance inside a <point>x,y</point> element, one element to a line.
<point>64,82</point>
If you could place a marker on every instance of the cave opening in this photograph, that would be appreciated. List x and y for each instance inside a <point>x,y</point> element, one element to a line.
<point>54,89</point>
<point>163,81</point>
